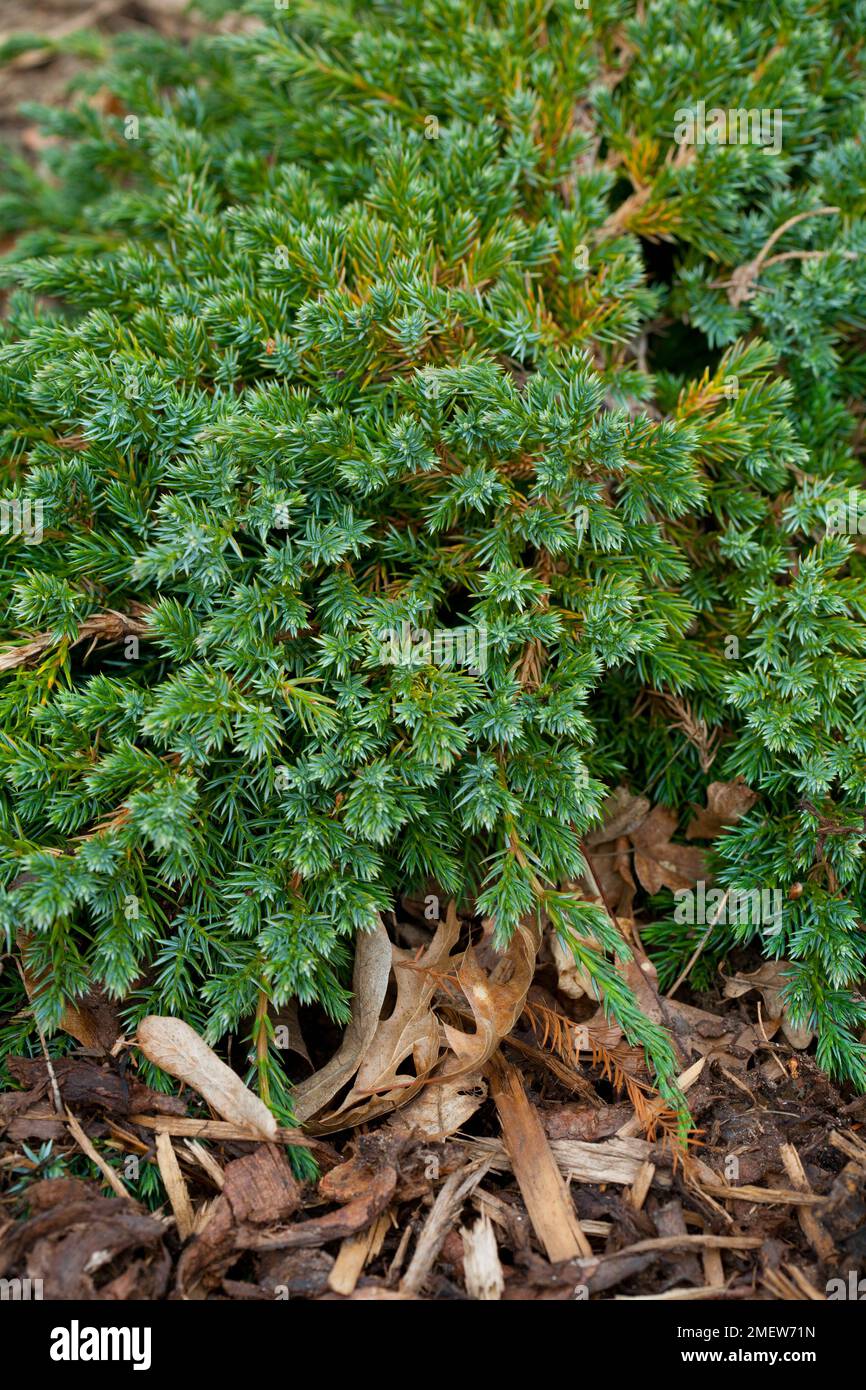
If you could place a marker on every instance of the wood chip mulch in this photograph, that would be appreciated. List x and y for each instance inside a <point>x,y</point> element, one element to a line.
<point>552,1186</point>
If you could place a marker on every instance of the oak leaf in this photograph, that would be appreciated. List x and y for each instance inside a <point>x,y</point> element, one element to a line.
<point>660,864</point>
<point>727,802</point>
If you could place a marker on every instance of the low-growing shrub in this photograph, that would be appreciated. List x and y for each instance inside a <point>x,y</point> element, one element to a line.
<point>419,419</point>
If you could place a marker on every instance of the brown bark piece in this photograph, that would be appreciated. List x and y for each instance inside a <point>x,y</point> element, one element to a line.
<point>541,1184</point>
<point>76,1236</point>
<point>819,1239</point>
<point>337,1225</point>
<point>259,1189</point>
<point>669,1221</point>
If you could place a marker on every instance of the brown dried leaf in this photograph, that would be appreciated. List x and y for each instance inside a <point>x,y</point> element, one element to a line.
<point>622,813</point>
<point>610,864</point>
<point>727,802</point>
<point>770,979</point>
<point>369,982</point>
<point>660,864</point>
<point>641,976</point>
<point>572,979</point>
<point>496,1004</point>
<point>92,1021</point>
<point>412,1030</point>
<point>172,1045</point>
<point>441,1110</point>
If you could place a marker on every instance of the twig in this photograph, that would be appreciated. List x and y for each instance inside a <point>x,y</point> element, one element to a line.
<point>175,1186</point>
<point>105,1168</point>
<point>451,1197</point>
<point>741,285</point>
<point>104,627</point>
<point>715,917</point>
<point>818,1237</point>
<point>52,1075</point>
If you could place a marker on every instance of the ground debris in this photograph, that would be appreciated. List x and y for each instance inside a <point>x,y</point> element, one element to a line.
<point>86,1246</point>
<point>538,1170</point>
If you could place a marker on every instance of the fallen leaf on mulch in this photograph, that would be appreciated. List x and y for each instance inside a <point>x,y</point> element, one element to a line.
<point>631,828</point>
<point>496,1004</point>
<point>414,1030</point>
<point>770,980</point>
<point>659,863</point>
<point>572,979</point>
<point>93,1021</point>
<point>727,802</point>
<point>622,814</point>
<point>611,867</point>
<point>86,1246</point>
<point>441,1110</point>
<point>174,1047</point>
<point>369,984</point>
<point>411,1031</point>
